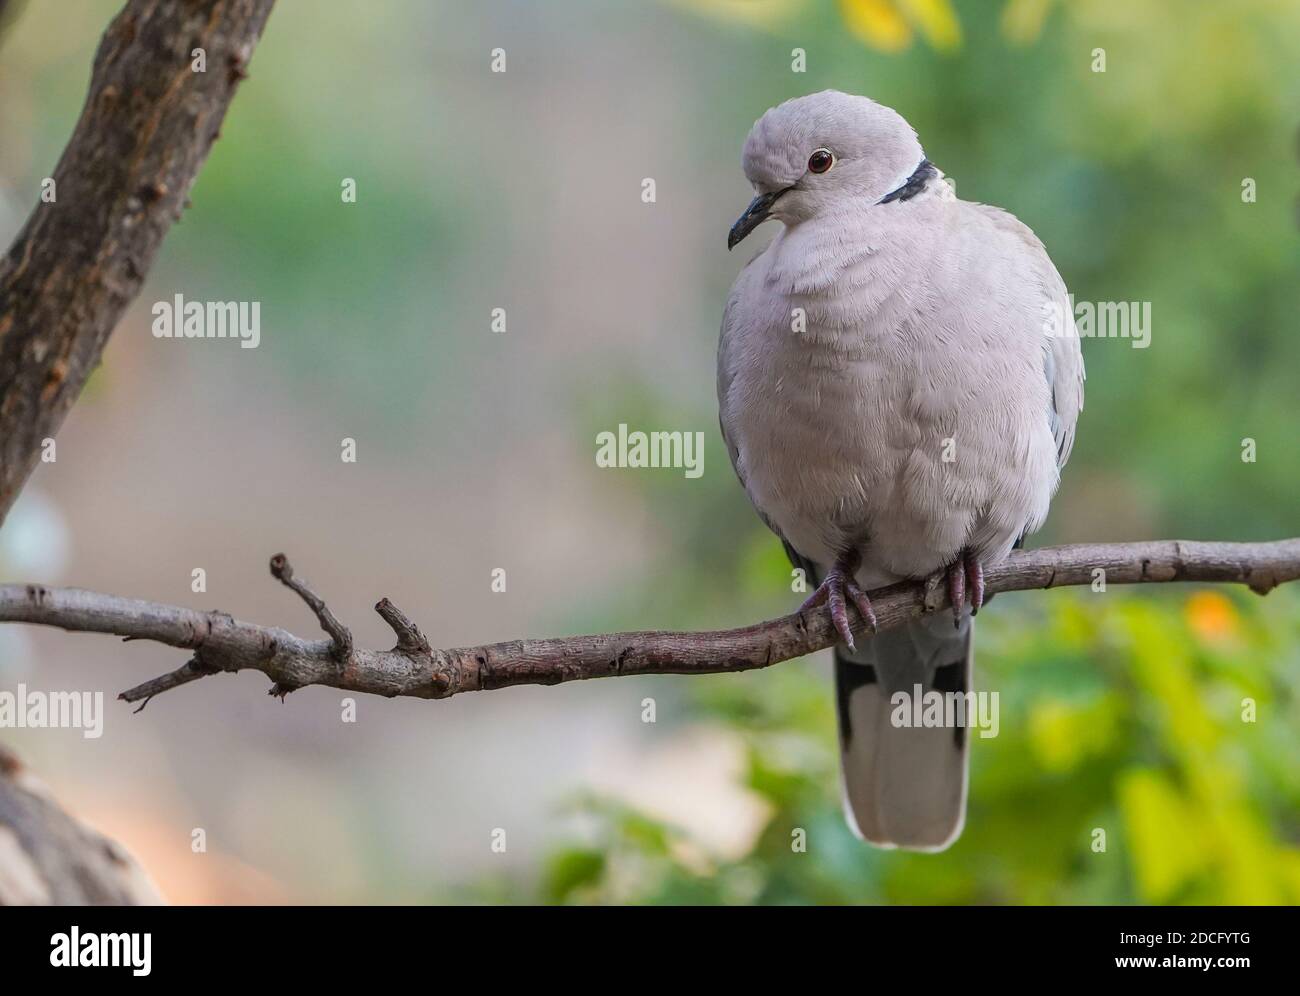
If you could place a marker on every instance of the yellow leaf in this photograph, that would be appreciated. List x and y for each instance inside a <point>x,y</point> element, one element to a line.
<point>1163,668</point>
<point>1022,20</point>
<point>1246,857</point>
<point>936,20</point>
<point>877,23</point>
<point>1166,849</point>
<point>1062,736</point>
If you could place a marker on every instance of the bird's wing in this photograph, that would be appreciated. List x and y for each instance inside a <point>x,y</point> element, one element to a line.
<point>1062,356</point>
<point>726,342</point>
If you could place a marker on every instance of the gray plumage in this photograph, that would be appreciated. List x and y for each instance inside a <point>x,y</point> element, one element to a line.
<point>890,388</point>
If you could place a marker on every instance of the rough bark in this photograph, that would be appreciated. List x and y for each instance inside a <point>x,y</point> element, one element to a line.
<point>50,858</point>
<point>146,128</point>
<point>220,643</point>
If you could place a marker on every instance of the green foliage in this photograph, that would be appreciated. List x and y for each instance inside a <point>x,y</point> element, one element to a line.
<point>1121,712</point>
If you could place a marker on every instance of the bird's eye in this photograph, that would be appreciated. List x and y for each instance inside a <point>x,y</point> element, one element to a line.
<point>820,161</point>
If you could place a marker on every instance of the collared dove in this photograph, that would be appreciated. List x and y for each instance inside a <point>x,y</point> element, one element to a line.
<point>898,383</point>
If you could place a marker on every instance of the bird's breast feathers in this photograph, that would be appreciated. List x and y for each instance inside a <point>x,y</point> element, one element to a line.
<point>885,387</point>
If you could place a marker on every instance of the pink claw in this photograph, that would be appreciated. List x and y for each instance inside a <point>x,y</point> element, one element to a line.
<point>965,574</point>
<point>838,588</point>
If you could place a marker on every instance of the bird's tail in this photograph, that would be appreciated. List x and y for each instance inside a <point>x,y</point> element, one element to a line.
<point>904,782</point>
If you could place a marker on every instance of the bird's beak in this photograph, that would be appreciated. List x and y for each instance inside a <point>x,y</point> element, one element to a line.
<point>759,208</point>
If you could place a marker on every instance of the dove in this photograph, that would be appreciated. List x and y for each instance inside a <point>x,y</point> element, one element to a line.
<point>899,380</point>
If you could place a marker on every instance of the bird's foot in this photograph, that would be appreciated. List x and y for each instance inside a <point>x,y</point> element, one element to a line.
<point>965,575</point>
<point>838,588</point>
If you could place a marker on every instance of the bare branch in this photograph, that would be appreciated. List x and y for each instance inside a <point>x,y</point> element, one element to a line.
<point>146,129</point>
<point>220,643</point>
<point>147,126</point>
<point>409,637</point>
<point>187,672</point>
<point>282,571</point>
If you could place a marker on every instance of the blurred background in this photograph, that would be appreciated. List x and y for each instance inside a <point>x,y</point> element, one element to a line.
<point>522,190</point>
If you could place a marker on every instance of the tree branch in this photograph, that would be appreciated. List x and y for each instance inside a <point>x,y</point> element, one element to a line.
<point>147,126</point>
<point>220,643</point>
<point>49,857</point>
<point>340,634</point>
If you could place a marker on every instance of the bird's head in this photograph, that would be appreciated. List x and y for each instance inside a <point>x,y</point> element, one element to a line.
<point>815,154</point>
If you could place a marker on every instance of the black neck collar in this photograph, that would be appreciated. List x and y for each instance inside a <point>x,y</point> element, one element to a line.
<point>913,185</point>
